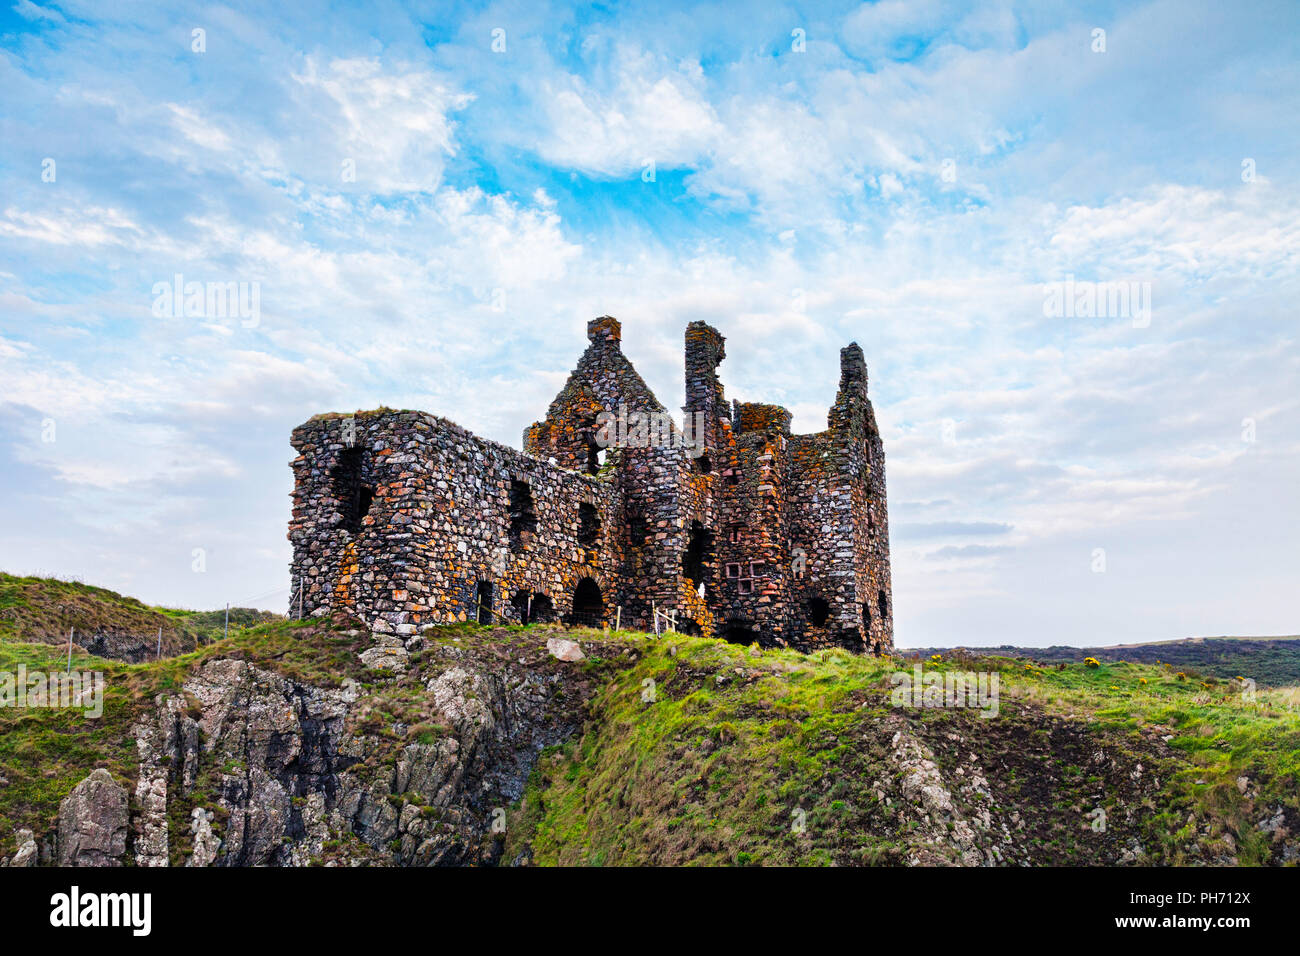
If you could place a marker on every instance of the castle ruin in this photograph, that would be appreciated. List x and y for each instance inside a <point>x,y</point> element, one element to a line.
<point>727,524</point>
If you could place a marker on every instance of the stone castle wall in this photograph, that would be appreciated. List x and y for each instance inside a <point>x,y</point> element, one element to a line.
<point>751,534</point>
<point>439,524</point>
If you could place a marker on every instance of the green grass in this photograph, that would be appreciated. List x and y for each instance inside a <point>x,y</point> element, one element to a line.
<point>43,609</point>
<point>712,773</point>
<point>45,752</point>
<point>774,763</point>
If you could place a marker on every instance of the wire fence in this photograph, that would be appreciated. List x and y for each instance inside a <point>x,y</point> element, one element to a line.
<point>483,613</point>
<point>585,618</point>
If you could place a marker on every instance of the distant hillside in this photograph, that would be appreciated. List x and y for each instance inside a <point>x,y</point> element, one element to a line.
<point>1268,661</point>
<point>42,610</point>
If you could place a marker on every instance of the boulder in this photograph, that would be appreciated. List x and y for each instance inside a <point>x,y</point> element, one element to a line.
<point>93,823</point>
<point>564,650</point>
<point>27,851</point>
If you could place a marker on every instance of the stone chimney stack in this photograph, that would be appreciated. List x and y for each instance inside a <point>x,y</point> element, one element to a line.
<point>851,401</point>
<point>705,350</point>
<point>853,370</point>
<point>605,330</point>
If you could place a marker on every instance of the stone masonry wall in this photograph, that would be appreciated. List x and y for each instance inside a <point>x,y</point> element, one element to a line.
<point>406,519</point>
<point>439,524</point>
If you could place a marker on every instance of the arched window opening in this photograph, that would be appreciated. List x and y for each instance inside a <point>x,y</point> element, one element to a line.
<point>532,608</point>
<point>543,610</point>
<point>883,603</point>
<point>739,631</point>
<point>698,557</point>
<point>595,454</point>
<point>637,529</point>
<point>588,604</point>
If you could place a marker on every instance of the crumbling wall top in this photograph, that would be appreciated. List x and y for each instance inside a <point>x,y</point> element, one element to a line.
<point>853,369</point>
<point>605,329</point>
<point>757,416</point>
<point>703,341</point>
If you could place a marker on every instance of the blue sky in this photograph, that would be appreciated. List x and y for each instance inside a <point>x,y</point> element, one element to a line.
<point>913,176</point>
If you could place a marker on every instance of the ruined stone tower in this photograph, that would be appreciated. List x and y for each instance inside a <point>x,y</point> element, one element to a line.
<point>725,522</point>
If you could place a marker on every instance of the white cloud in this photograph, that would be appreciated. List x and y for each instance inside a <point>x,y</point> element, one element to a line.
<point>1187,231</point>
<point>650,112</point>
<point>194,128</point>
<point>92,226</point>
<point>394,124</point>
<point>32,11</point>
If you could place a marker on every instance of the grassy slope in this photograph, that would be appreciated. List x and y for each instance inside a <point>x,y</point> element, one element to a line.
<point>712,773</point>
<point>711,770</point>
<point>45,752</point>
<point>43,609</point>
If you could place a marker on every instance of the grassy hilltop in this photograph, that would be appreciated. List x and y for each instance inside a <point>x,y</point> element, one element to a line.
<point>698,751</point>
<point>738,739</point>
<point>43,609</point>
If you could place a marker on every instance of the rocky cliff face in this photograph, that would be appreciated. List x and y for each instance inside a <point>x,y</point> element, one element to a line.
<point>324,744</point>
<point>247,767</point>
<point>93,823</point>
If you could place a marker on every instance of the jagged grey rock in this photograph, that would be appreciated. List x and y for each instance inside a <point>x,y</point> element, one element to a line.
<point>287,768</point>
<point>388,653</point>
<point>927,793</point>
<point>93,822</point>
<point>206,843</point>
<point>27,852</point>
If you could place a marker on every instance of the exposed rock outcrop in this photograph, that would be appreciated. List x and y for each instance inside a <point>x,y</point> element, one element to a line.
<point>206,842</point>
<point>27,854</point>
<point>93,823</point>
<point>927,797</point>
<point>564,650</point>
<point>254,768</point>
